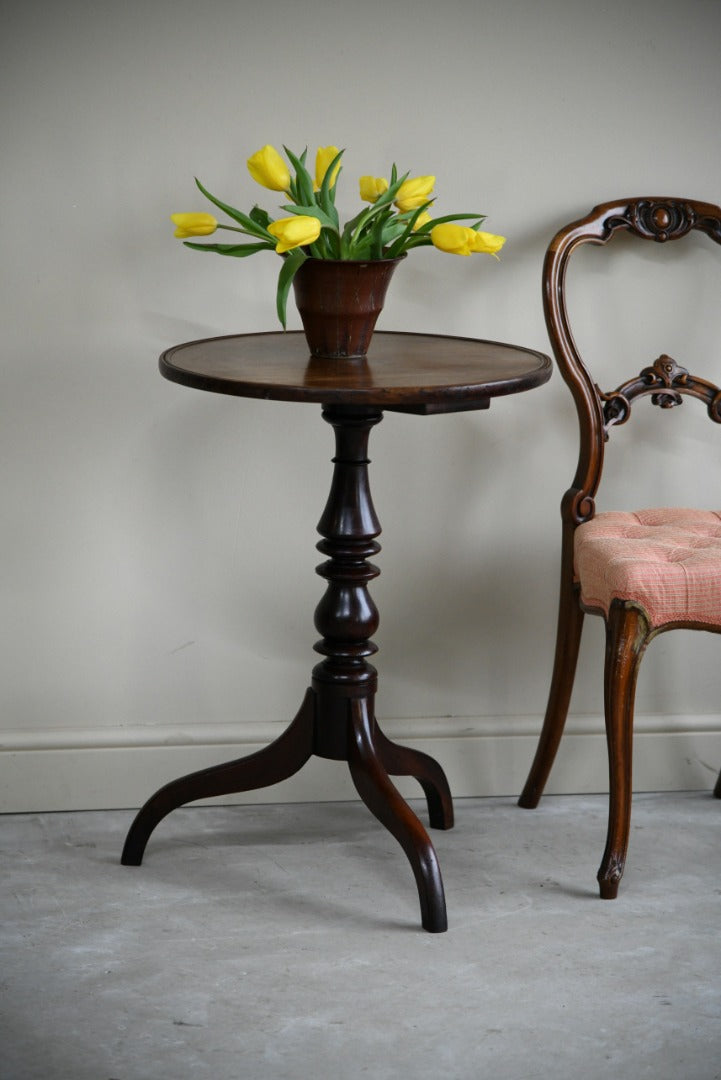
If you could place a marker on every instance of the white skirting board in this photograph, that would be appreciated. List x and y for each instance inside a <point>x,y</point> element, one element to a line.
<point>120,768</point>
<point>482,756</point>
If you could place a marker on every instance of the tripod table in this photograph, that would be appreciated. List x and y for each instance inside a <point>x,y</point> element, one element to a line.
<point>407,373</point>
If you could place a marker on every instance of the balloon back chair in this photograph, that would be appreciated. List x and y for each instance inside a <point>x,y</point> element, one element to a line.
<point>644,572</point>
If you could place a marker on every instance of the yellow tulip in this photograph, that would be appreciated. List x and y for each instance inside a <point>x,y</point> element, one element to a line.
<point>488,242</point>
<point>293,232</point>
<point>322,163</point>
<point>193,224</point>
<point>267,167</point>
<point>372,187</point>
<point>460,240</point>
<point>422,219</point>
<point>413,193</point>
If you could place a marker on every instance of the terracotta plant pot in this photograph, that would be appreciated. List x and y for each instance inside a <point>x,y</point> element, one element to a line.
<point>339,302</point>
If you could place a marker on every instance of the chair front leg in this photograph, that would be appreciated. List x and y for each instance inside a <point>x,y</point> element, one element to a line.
<point>627,634</point>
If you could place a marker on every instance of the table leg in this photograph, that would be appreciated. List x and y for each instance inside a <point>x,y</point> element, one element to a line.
<point>281,759</point>
<point>405,761</point>
<point>385,801</point>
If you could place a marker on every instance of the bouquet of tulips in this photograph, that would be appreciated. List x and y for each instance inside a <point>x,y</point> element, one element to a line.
<point>397,219</point>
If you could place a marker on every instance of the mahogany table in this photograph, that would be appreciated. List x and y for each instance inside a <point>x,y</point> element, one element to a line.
<point>411,373</point>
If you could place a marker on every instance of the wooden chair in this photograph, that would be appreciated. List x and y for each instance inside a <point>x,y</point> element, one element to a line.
<point>644,572</point>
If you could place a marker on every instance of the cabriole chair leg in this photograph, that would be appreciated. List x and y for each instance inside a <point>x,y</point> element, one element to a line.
<point>627,635</point>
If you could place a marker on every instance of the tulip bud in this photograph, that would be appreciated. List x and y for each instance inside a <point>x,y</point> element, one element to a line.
<point>193,224</point>
<point>293,232</point>
<point>455,239</point>
<point>322,163</point>
<point>372,187</point>
<point>460,240</point>
<point>414,192</point>
<point>267,167</point>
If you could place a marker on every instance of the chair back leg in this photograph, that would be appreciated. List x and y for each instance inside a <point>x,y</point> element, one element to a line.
<point>568,640</point>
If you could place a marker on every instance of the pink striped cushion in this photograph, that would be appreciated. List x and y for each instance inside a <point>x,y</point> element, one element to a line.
<point>668,561</point>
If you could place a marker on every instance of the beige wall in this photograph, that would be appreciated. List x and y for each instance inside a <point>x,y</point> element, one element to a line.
<point>158,544</point>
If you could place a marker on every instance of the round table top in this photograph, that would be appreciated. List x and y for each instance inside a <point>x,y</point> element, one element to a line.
<point>417,372</point>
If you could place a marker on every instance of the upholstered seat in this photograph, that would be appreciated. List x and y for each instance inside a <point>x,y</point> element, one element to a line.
<point>646,571</point>
<point>668,561</point>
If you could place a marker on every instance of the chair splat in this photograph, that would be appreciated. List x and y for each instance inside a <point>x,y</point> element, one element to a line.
<point>666,382</point>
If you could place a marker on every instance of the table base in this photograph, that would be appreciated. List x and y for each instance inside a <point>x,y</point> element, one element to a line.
<point>372,759</point>
<point>337,717</point>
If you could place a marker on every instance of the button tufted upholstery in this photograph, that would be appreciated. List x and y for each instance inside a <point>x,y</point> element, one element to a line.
<point>667,561</point>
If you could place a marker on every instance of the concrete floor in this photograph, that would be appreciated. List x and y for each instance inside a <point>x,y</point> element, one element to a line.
<point>279,942</point>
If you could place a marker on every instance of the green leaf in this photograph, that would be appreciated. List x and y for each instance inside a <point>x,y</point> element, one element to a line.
<point>326,195</point>
<point>382,223</point>
<point>418,239</point>
<point>291,264</point>
<point>248,224</point>
<point>260,217</point>
<point>353,222</point>
<point>239,251</point>
<point>479,219</point>
<point>361,252</point>
<point>304,185</point>
<point>405,233</point>
<point>365,225</point>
